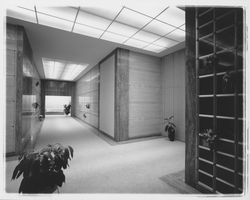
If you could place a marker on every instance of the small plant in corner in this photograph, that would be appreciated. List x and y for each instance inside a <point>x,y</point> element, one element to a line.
<point>170,128</point>
<point>43,170</point>
<point>67,109</point>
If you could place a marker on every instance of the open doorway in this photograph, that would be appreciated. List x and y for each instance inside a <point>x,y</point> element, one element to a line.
<point>54,105</point>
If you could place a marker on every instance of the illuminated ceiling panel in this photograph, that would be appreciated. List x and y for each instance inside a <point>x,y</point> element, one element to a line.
<point>61,70</point>
<point>136,43</point>
<point>146,36</point>
<point>103,10</point>
<point>87,30</point>
<point>154,48</point>
<point>177,34</point>
<point>159,28</point>
<point>54,22</point>
<point>92,20</point>
<point>67,13</point>
<point>114,37</point>
<point>133,18</point>
<point>21,13</point>
<point>173,16</point>
<point>130,24</point>
<point>122,29</point>
<point>164,42</point>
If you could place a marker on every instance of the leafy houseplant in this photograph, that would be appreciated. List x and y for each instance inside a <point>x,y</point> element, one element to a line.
<point>43,170</point>
<point>67,109</point>
<point>170,128</point>
<point>209,137</point>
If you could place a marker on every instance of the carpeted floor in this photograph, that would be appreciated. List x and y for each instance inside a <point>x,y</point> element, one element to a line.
<point>99,167</point>
<point>177,181</point>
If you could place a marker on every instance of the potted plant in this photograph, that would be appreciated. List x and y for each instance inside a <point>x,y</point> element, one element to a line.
<point>209,138</point>
<point>170,128</point>
<point>43,170</point>
<point>67,109</point>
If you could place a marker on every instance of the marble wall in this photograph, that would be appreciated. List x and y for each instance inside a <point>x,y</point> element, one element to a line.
<point>173,91</point>
<point>23,92</point>
<point>144,95</point>
<point>86,97</point>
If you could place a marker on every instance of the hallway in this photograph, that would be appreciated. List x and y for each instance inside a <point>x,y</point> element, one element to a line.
<point>99,167</point>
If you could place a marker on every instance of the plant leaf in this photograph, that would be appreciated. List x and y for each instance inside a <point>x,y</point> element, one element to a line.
<point>71,151</point>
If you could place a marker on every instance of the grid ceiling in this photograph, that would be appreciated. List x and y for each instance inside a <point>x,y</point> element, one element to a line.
<point>149,29</point>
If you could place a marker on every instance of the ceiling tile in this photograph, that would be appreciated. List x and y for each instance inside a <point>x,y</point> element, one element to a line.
<point>21,13</point>
<point>86,30</point>
<point>92,20</point>
<point>164,42</point>
<point>106,11</point>
<point>177,34</point>
<point>146,36</point>
<point>132,18</point>
<point>54,22</point>
<point>122,29</point>
<point>173,16</point>
<point>136,43</point>
<point>151,10</point>
<point>29,7</point>
<point>158,27</point>
<point>114,37</point>
<point>154,48</point>
<point>67,13</point>
<point>72,71</point>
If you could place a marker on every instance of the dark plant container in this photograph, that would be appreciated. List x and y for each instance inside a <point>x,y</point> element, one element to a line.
<point>171,133</point>
<point>170,128</point>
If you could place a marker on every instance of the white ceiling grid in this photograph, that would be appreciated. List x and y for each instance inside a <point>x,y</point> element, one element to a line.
<point>150,29</point>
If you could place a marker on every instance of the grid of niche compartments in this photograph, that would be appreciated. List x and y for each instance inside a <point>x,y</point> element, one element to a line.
<point>219,64</point>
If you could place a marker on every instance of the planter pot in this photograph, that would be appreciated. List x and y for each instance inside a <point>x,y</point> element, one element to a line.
<point>48,190</point>
<point>171,134</point>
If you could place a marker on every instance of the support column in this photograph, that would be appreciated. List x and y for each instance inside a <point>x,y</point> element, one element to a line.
<point>121,94</point>
<point>191,101</point>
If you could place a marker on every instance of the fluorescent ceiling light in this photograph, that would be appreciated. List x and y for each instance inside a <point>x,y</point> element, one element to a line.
<point>136,43</point>
<point>61,70</point>
<point>21,13</point>
<point>54,22</point>
<point>114,37</point>
<point>164,42</point>
<point>72,71</point>
<point>116,23</point>
<point>159,28</point>
<point>103,10</point>
<point>58,69</point>
<point>92,20</point>
<point>173,16</point>
<point>151,10</point>
<point>122,29</point>
<point>154,48</point>
<point>146,36</point>
<point>67,13</point>
<point>86,30</point>
<point>177,34</point>
<point>132,18</point>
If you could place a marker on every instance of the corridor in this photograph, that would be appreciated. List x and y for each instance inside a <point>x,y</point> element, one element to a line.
<point>99,167</point>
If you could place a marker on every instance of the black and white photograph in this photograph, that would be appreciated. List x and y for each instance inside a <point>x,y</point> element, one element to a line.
<point>128,97</point>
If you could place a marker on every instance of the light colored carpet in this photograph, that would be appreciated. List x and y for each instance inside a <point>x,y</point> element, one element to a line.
<point>98,167</point>
<point>177,181</point>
